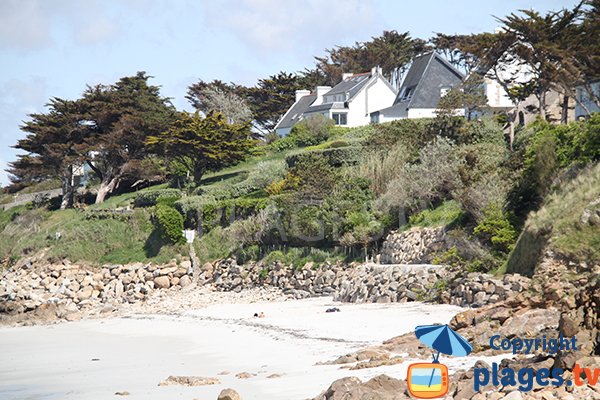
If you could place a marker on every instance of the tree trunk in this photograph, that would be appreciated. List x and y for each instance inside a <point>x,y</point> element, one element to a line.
<point>198,173</point>
<point>105,188</point>
<point>564,115</point>
<point>542,100</point>
<point>67,188</point>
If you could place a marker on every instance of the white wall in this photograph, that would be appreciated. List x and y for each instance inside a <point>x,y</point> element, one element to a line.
<point>496,95</point>
<point>375,96</point>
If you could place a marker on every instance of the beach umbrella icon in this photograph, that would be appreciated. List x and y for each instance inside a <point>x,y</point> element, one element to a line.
<point>443,339</point>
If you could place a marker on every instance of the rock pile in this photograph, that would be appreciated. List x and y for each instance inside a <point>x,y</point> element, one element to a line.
<point>417,245</point>
<point>368,283</point>
<point>66,290</point>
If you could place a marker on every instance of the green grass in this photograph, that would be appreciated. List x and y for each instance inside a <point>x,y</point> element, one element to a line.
<point>449,213</point>
<point>96,241</point>
<point>557,226</point>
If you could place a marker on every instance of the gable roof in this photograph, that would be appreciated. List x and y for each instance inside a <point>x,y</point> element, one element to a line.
<point>294,114</point>
<point>351,85</point>
<point>427,74</point>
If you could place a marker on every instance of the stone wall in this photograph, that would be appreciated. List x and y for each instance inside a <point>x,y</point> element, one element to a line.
<point>74,290</point>
<point>415,246</point>
<point>367,283</point>
<point>68,288</point>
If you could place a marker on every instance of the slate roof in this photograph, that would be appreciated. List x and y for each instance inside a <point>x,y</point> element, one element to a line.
<point>352,85</point>
<point>294,114</point>
<point>427,74</point>
<point>338,105</point>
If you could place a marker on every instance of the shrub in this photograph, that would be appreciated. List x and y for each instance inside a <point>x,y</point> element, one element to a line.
<point>149,198</point>
<point>311,131</point>
<point>169,223</point>
<point>496,229</point>
<point>448,213</point>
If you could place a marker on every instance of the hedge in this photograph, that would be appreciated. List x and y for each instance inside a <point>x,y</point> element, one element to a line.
<point>151,197</point>
<point>169,223</point>
<point>336,157</point>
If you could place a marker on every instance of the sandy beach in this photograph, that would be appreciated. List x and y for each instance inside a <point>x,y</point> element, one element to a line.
<point>94,359</point>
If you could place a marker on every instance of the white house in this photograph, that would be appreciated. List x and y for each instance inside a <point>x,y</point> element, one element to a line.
<point>428,79</point>
<point>349,103</point>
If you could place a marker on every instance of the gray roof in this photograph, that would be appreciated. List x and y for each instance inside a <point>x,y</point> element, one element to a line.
<point>351,85</point>
<point>428,74</point>
<point>294,114</point>
<point>338,105</point>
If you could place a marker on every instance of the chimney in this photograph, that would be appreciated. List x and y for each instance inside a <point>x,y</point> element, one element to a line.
<point>376,70</point>
<point>346,75</point>
<point>320,91</point>
<point>301,93</point>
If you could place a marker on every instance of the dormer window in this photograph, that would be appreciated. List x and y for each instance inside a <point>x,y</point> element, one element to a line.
<point>444,91</point>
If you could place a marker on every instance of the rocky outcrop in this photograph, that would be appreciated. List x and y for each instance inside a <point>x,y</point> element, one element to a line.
<point>415,246</point>
<point>381,387</point>
<point>48,291</point>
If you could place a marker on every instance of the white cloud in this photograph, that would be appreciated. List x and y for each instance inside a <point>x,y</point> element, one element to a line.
<point>32,24</point>
<point>294,26</point>
<point>23,24</point>
<point>17,99</point>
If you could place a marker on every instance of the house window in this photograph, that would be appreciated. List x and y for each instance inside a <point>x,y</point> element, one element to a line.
<point>408,92</point>
<point>444,91</point>
<point>340,118</point>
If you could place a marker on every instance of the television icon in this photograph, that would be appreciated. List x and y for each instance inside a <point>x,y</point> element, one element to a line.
<point>427,380</point>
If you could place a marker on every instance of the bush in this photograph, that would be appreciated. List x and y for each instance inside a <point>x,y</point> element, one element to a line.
<point>169,223</point>
<point>496,229</point>
<point>150,198</point>
<point>311,131</point>
<point>448,213</point>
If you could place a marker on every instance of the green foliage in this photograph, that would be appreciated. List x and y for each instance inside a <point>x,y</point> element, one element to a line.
<point>97,241</point>
<point>559,225</point>
<point>311,131</point>
<point>204,144</point>
<point>299,256</point>
<point>496,229</point>
<point>449,213</point>
<point>169,223</point>
<point>150,198</point>
<point>214,245</point>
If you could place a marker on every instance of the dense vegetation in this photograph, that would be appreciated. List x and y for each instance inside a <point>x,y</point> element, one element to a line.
<point>323,192</point>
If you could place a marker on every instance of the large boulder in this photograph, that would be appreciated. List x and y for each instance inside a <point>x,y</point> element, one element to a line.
<point>381,387</point>
<point>229,394</point>
<point>162,282</point>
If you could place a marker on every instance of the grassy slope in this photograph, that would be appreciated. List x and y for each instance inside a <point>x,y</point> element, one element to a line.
<point>24,231</point>
<point>557,226</point>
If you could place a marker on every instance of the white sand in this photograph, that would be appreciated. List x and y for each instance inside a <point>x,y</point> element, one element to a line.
<point>135,354</point>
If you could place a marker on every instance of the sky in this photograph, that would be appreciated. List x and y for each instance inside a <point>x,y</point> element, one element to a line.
<point>54,48</point>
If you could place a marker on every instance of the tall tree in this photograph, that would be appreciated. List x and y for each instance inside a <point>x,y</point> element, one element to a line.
<point>53,142</point>
<point>392,51</point>
<point>271,98</point>
<point>538,43</point>
<point>120,117</point>
<point>203,144</point>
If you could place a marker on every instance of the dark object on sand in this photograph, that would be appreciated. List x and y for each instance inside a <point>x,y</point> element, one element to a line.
<point>334,309</point>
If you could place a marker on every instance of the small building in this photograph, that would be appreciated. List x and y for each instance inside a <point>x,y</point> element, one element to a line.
<point>428,79</point>
<point>349,103</point>
<point>585,103</point>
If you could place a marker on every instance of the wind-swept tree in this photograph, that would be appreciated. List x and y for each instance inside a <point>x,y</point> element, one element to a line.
<point>53,143</point>
<point>203,144</point>
<point>271,98</point>
<point>120,118</point>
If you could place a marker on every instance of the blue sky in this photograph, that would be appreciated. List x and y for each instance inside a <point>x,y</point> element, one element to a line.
<point>55,47</point>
